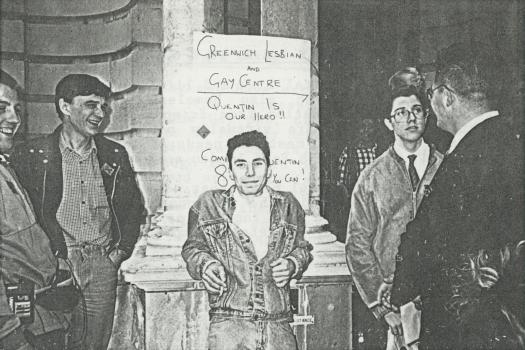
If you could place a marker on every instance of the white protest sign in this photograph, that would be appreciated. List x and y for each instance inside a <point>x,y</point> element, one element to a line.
<point>240,83</point>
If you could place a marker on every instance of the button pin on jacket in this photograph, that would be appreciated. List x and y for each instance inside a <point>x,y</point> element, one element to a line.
<point>108,169</point>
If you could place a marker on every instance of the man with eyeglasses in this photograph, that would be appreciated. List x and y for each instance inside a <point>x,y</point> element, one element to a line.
<point>386,197</point>
<point>463,253</point>
<point>85,195</point>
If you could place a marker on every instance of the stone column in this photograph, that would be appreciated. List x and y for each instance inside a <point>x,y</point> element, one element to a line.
<point>298,19</point>
<point>156,266</point>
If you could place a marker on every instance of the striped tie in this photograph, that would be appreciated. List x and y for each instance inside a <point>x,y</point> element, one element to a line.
<point>414,178</point>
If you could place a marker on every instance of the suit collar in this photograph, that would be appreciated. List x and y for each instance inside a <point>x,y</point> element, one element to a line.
<point>460,135</point>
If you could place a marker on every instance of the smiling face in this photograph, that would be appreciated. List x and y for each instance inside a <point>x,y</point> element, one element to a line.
<point>249,170</point>
<point>408,129</point>
<point>10,111</point>
<point>84,114</point>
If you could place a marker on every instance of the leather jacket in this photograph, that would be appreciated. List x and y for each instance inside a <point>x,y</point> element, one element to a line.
<point>38,164</point>
<point>251,291</point>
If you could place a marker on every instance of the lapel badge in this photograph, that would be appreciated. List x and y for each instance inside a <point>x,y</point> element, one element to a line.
<point>108,169</point>
<point>427,191</point>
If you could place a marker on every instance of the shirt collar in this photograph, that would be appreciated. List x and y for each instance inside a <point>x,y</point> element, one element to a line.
<point>265,195</point>
<point>422,152</point>
<point>64,146</point>
<point>465,129</point>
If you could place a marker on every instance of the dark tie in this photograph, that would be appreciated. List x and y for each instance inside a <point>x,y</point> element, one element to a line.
<point>414,178</point>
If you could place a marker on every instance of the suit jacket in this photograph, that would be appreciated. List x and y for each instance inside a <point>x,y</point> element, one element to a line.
<point>38,164</point>
<point>473,208</point>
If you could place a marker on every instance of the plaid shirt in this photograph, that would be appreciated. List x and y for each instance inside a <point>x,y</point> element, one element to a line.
<point>362,156</point>
<point>84,212</point>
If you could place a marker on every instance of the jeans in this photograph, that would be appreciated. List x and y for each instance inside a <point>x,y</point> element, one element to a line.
<point>227,333</point>
<point>92,319</point>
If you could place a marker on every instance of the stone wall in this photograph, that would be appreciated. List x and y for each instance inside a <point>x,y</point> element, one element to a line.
<point>118,41</point>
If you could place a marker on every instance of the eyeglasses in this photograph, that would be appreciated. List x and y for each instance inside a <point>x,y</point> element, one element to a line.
<point>402,114</point>
<point>430,90</point>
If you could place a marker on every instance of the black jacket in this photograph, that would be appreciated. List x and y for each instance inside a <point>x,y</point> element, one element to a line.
<point>474,204</point>
<point>38,164</point>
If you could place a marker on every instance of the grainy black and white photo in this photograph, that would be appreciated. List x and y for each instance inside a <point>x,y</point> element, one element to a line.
<point>262,175</point>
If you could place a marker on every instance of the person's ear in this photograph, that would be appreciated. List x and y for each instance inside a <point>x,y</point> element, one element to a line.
<point>65,107</point>
<point>388,124</point>
<point>450,97</point>
<point>270,171</point>
<point>230,173</point>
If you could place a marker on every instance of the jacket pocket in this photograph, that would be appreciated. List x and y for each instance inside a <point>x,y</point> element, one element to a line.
<point>288,239</point>
<point>218,239</point>
<point>282,239</point>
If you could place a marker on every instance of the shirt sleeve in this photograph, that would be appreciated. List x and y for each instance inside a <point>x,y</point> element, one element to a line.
<point>301,254</point>
<point>195,251</point>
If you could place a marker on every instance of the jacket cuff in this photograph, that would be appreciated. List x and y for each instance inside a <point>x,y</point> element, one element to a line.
<point>205,265</point>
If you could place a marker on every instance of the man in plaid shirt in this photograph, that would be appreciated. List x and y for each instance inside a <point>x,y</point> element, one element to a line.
<point>85,195</point>
<point>354,158</point>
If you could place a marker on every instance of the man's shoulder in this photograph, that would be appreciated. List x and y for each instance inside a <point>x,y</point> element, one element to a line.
<point>36,147</point>
<point>107,145</point>
<point>492,137</point>
<point>385,159</point>
<point>210,197</point>
<point>284,195</point>
<point>37,143</point>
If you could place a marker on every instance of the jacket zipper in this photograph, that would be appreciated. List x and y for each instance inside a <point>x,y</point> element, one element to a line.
<point>113,208</point>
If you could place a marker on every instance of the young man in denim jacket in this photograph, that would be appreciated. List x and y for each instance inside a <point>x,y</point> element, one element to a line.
<point>246,243</point>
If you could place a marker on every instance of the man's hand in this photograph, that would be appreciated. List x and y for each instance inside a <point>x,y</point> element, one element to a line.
<point>214,278</point>
<point>282,271</point>
<point>383,294</point>
<point>487,277</point>
<point>393,320</point>
<point>117,256</point>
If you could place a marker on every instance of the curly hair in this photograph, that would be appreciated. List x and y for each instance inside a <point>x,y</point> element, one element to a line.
<point>248,138</point>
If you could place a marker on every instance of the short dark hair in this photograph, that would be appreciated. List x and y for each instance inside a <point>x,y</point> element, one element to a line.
<point>248,138</point>
<point>470,69</point>
<point>8,80</point>
<point>408,91</point>
<point>73,85</point>
<point>408,82</point>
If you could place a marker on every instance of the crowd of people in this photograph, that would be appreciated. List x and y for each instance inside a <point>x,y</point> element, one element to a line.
<point>434,241</point>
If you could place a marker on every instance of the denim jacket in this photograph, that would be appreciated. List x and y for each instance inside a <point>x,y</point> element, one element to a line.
<point>251,291</point>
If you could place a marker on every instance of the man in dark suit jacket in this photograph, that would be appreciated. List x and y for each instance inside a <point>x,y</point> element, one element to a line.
<point>471,219</point>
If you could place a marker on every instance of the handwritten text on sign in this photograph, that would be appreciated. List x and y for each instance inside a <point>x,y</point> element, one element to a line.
<point>242,83</point>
